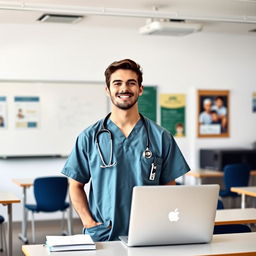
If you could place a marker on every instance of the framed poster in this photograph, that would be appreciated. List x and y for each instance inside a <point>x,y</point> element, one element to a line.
<point>254,102</point>
<point>173,108</point>
<point>27,113</point>
<point>213,113</point>
<point>3,112</point>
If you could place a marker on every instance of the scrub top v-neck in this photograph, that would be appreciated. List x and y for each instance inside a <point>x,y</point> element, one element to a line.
<point>111,188</point>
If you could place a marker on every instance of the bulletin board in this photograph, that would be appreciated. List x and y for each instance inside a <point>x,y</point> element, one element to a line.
<point>54,115</point>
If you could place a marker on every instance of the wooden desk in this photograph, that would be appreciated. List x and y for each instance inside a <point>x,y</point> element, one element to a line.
<point>249,191</point>
<point>235,244</point>
<point>235,216</point>
<point>205,173</point>
<point>9,199</point>
<point>25,183</point>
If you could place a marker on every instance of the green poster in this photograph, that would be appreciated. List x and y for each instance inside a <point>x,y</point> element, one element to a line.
<point>173,113</point>
<point>147,102</point>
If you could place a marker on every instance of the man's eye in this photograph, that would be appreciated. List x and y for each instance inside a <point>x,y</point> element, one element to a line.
<point>132,83</point>
<point>117,84</point>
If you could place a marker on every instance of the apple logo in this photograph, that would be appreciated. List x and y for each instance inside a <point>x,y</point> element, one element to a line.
<point>174,215</point>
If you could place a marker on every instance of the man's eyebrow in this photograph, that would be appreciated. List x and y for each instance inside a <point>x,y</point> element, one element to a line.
<point>117,81</point>
<point>132,80</point>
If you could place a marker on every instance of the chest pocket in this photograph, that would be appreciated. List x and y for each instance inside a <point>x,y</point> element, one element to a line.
<point>151,170</point>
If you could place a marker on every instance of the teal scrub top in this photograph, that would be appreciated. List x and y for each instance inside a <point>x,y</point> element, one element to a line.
<point>111,188</point>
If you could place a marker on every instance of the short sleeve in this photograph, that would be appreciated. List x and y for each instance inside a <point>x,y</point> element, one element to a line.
<point>174,164</point>
<point>77,165</point>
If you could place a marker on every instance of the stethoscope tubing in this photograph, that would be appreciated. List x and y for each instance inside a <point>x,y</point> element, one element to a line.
<point>147,153</point>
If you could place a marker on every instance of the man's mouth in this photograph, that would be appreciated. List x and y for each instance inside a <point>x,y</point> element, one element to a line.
<point>124,95</point>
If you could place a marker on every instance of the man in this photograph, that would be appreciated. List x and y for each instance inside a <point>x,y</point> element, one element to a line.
<point>205,116</point>
<point>221,111</point>
<point>140,153</point>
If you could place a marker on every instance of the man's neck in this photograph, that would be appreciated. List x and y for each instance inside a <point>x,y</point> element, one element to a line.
<point>125,119</point>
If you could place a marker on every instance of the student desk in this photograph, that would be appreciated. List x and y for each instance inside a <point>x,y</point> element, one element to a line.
<point>249,191</point>
<point>9,199</point>
<point>235,244</point>
<point>235,216</point>
<point>205,173</point>
<point>25,183</point>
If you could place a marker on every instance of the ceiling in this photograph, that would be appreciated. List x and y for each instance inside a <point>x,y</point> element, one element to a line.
<point>229,16</point>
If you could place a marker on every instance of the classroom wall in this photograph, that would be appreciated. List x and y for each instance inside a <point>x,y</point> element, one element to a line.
<point>174,64</point>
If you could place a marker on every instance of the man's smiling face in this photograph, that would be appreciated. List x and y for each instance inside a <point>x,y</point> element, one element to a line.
<point>124,89</point>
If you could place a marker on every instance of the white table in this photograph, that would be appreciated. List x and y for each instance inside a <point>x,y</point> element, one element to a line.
<point>9,199</point>
<point>25,183</point>
<point>235,216</point>
<point>235,244</point>
<point>249,191</point>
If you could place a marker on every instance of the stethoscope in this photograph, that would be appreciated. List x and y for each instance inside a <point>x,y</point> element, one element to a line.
<point>147,152</point>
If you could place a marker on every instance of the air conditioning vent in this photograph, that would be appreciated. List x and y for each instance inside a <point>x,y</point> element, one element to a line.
<point>60,18</point>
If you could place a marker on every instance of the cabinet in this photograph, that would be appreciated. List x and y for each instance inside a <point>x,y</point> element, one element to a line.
<point>216,159</point>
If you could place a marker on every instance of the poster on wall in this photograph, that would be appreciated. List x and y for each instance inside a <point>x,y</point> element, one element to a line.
<point>3,112</point>
<point>213,113</point>
<point>254,102</point>
<point>148,102</point>
<point>173,113</point>
<point>27,111</point>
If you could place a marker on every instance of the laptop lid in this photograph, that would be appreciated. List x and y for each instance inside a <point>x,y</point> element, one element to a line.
<point>172,214</point>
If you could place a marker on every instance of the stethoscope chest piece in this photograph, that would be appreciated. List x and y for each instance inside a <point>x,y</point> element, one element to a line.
<point>147,153</point>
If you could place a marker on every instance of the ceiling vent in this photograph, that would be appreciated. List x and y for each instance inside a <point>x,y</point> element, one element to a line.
<point>60,18</point>
<point>170,28</point>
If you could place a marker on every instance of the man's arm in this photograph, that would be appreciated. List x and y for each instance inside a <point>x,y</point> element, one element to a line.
<point>80,203</point>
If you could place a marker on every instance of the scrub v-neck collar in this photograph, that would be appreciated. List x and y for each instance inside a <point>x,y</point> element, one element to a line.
<point>119,134</point>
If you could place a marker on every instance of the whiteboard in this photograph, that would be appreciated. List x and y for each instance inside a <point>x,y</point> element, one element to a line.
<point>63,111</point>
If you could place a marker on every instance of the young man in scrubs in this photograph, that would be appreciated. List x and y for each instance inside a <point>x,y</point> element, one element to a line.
<point>105,214</point>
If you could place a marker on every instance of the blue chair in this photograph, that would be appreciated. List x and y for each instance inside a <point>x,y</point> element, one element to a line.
<point>2,235</point>
<point>232,228</point>
<point>50,195</point>
<point>235,175</point>
<point>220,205</point>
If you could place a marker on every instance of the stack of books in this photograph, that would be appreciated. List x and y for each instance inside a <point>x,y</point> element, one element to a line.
<point>70,243</point>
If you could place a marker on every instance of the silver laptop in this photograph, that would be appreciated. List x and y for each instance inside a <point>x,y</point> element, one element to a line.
<point>162,215</point>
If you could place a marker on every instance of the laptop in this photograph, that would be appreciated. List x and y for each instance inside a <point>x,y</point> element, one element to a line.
<point>164,215</point>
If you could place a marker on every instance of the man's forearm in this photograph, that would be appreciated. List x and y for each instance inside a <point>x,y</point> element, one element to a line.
<point>80,203</point>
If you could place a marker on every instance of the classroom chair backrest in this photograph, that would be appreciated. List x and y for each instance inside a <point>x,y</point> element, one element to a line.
<point>220,205</point>
<point>50,193</point>
<point>236,175</point>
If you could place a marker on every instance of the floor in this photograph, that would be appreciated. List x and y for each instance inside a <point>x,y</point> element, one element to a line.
<point>43,228</point>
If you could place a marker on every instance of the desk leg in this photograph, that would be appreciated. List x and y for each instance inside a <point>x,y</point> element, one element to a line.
<point>9,210</point>
<point>70,218</point>
<point>23,235</point>
<point>243,201</point>
<point>198,181</point>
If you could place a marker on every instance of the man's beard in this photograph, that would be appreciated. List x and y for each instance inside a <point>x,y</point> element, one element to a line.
<point>123,105</point>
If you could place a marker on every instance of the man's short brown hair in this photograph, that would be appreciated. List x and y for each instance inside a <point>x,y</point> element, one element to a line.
<point>123,64</point>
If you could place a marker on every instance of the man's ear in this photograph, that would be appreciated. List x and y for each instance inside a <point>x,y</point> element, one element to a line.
<point>107,91</point>
<point>141,90</point>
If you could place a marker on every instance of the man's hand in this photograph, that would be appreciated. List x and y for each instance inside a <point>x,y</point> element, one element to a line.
<point>92,224</point>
